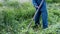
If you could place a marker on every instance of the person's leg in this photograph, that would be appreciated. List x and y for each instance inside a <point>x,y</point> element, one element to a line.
<point>37,17</point>
<point>44,15</point>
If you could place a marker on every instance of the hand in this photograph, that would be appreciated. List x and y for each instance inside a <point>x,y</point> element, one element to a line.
<point>37,7</point>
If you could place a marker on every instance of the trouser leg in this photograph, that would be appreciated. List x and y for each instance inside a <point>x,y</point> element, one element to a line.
<point>44,16</point>
<point>44,19</point>
<point>37,17</point>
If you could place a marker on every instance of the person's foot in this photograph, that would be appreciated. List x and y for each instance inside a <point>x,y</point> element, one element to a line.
<point>44,27</point>
<point>36,26</point>
<point>39,25</point>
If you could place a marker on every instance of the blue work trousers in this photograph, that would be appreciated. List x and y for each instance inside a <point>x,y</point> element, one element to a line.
<point>42,12</point>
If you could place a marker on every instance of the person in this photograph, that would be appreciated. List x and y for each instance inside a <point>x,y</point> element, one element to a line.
<point>42,11</point>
